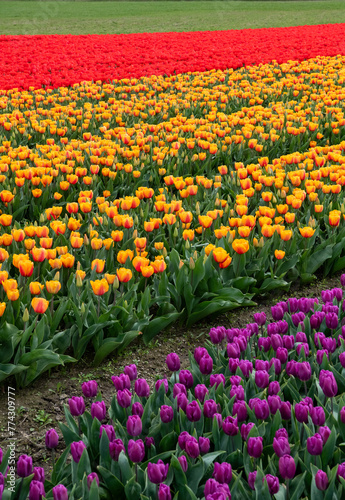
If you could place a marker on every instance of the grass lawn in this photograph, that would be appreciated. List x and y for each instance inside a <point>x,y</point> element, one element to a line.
<point>32,17</point>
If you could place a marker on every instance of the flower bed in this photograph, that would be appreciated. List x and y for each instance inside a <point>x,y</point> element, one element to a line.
<point>61,60</point>
<point>129,206</point>
<point>260,411</point>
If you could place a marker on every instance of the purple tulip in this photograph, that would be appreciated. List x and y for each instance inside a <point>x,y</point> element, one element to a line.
<point>183,463</point>
<point>245,430</point>
<point>218,417</point>
<point>76,406</point>
<point>60,492</point>
<point>281,433</point>
<point>262,364</point>
<point>136,450</point>
<point>264,343</point>
<point>137,409</point>
<point>222,472</point>
<point>303,371</point>
<point>38,474</point>
<point>77,448</point>
<point>261,409</point>
<point>24,466</point>
<point>342,359</point>
<point>342,280</point>
<point>199,352</point>
<point>321,480</point>
<point>92,477</point>
<point>318,336</point>
<point>36,491</point>
<point>314,444</point>
<point>332,320</point>
<point>277,312</point>
<point>217,335</point>
<point>200,392</point>
<point>240,410</point>
<point>134,425</point>
<point>193,411</point>
<point>52,439</point>
<point>238,392</point>
<point>282,354</point>
<point>210,487</point>
<point>329,344</point>
<point>289,341</point>
<point>297,318</point>
<point>276,341</point>
<point>121,382</point>
<point>179,389</point>
<point>182,401</point>
<point>246,367</point>
<point>109,430</point>
<point>281,446</point>
<point>251,479</point>
<point>272,483</point>
<point>173,362</point>
<point>326,296</point>
<point>287,467</point>
<point>98,410</point>
<point>149,441</point>
<point>160,382</point>
<point>253,328</point>
<point>233,350</point>
<point>255,446</point>
<point>301,412</point>
<point>285,410</point>
<point>317,414</point>
<point>204,445</point>
<point>157,473</point>
<point>115,448</point>
<point>210,408</point>
<point>192,447</point>
<point>166,414</point>
<point>328,383</point>
<point>230,426</point>
<point>233,364</point>
<point>131,371</point>
<point>274,403</point>
<point>164,492</point>
<point>89,388</point>
<point>1,455</point>
<point>273,388</point>
<point>262,378</point>
<point>206,365</point>
<point>341,470</point>
<point>325,432</point>
<point>217,379</point>
<point>186,378</point>
<point>260,318</point>
<point>182,439</point>
<point>320,355</point>
<point>235,380</point>
<point>342,415</point>
<point>124,398</point>
<point>142,388</point>
<point>303,346</point>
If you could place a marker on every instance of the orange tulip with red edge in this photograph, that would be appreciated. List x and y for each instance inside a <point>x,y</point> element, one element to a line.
<point>220,255</point>
<point>39,305</point>
<point>9,284</point>
<point>226,263</point>
<point>123,274</point>
<point>53,286</point>
<point>7,239</point>
<point>205,221</point>
<point>279,254</point>
<point>17,257</point>
<point>98,265</point>
<point>42,231</point>
<point>286,234</point>
<point>99,287</point>
<point>140,243</point>
<point>186,217</point>
<point>117,235</point>
<point>46,243</point>
<point>6,196</point>
<point>123,255</point>
<point>3,276</point>
<point>86,207</point>
<point>67,260</point>
<point>110,278</point>
<point>26,268</point>
<point>240,246</point>
<point>80,273</point>
<point>2,308</point>
<point>5,220</point>
<point>290,217</point>
<point>96,243</point>
<point>13,295</point>
<point>147,271</point>
<point>39,254</point>
<point>55,263</point>
<point>36,287</point>
<point>159,266</point>
<point>18,235</point>
<point>318,208</point>
<point>76,242</point>
<point>159,245</point>
<point>72,208</point>
<point>244,231</point>
<point>138,262</point>
<point>306,232</point>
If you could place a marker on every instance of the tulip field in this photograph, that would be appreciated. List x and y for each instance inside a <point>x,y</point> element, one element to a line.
<point>145,187</point>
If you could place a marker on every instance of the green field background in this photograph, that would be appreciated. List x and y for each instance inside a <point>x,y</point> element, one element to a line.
<point>63,17</point>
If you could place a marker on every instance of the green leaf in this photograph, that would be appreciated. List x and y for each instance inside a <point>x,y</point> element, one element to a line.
<point>158,324</point>
<point>168,442</point>
<point>113,483</point>
<point>297,487</point>
<point>7,370</point>
<point>317,258</point>
<point>110,344</point>
<point>132,488</point>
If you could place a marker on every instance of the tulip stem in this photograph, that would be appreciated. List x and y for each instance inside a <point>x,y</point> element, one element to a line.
<point>305,389</point>
<point>20,487</point>
<point>98,306</point>
<point>52,307</point>
<point>79,425</point>
<point>302,433</point>
<point>332,406</point>
<point>136,472</point>
<point>287,489</point>
<point>53,456</point>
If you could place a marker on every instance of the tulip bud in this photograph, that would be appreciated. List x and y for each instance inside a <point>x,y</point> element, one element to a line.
<point>191,263</point>
<point>26,315</point>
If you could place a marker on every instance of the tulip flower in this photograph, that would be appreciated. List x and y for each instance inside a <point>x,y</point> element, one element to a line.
<point>24,466</point>
<point>136,450</point>
<point>99,287</point>
<point>123,274</point>
<point>157,472</point>
<point>39,305</point>
<point>36,491</point>
<point>287,467</point>
<point>98,410</point>
<point>255,446</point>
<point>77,449</point>
<point>115,448</point>
<point>321,480</point>
<point>52,439</point>
<point>89,388</point>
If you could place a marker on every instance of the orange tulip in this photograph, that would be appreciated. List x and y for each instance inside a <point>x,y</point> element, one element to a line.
<point>140,243</point>
<point>244,231</point>
<point>3,276</point>
<point>220,255</point>
<point>159,245</point>
<point>73,224</point>
<point>46,243</point>
<point>36,287</point>
<point>26,267</point>
<point>18,235</point>
<point>3,255</point>
<point>6,196</point>
<point>53,286</point>
<point>55,263</point>
<point>123,255</point>
<point>67,260</point>
<point>7,239</point>
<point>124,274</point>
<point>2,308</point>
<point>39,254</point>
<point>80,274</point>
<point>117,235</point>
<point>334,218</point>
<point>10,284</point>
<point>286,234</point>
<point>96,243</point>
<point>147,271</point>
<point>306,232</point>
<point>205,221</point>
<point>279,254</point>
<point>110,278</point>
<point>72,208</point>
<point>13,295</point>
<point>39,305</point>
<point>159,266</point>
<point>98,265</point>
<point>138,262</point>
<point>240,246</point>
<point>5,220</point>
<point>76,242</point>
<point>99,287</point>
